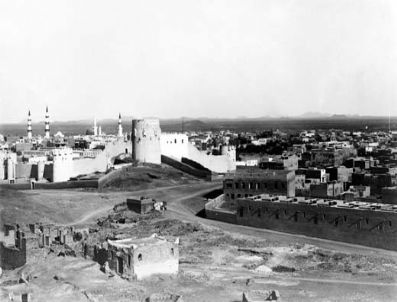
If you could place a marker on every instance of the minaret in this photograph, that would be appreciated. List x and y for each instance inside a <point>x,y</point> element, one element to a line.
<point>120,128</point>
<point>47,123</point>
<point>29,126</point>
<point>95,128</point>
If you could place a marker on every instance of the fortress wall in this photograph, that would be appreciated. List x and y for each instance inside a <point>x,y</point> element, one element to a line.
<point>215,163</point>
<point>36,171</point>
<point>174,145</point>
<point>48,171</point>
<point>186,168</point>
<point>66,167</point>
<point>103,161</point>
<point>24,171</point>
<point>146,135</point>
<point>366,227</point>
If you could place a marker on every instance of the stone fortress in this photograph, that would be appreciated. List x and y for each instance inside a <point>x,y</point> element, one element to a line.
<point>97,152</point>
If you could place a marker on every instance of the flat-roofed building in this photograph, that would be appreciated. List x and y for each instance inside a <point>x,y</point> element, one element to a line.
<point>253,181</point>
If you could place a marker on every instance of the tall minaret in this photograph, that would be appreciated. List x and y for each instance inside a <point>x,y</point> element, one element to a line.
<point>95,128</point>
<point>29,126</point>
<point>120,127</point>
<point>47,123</point>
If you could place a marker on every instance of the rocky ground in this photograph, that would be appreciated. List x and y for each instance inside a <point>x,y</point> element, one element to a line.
<point>217,262</point>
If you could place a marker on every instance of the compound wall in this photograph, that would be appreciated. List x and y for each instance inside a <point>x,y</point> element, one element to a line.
<point>366,227</point>
<point>174,145</point>
<point>215,163</point>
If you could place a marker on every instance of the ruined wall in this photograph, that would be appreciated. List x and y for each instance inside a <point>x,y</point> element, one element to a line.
<point>144,261</point>
<point>145,139</point>
<point>13,256</point>
<point>150,260</point>
<point>366,227</point>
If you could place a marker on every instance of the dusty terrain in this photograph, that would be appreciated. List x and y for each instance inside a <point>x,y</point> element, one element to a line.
<point>218,261</point>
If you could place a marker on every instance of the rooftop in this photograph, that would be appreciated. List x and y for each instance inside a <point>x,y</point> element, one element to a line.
<point>134,243</point>
<point>316,202</point>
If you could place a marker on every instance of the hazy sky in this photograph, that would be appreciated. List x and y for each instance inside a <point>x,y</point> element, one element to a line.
<point>196,58</point>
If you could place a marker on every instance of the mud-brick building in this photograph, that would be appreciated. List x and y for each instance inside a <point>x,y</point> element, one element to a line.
<point>12,247</point>
<point>142,258</point>
<point>254,181</point>
<point>142,205</point>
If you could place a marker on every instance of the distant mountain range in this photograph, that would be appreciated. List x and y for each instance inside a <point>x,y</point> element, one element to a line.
<point>201,121</point>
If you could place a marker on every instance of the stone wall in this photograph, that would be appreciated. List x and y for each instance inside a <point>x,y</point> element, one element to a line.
<point>366,227</point>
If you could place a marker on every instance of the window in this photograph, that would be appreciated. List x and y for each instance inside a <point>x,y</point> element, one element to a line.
<point>241,212</point>
<point>129,260</point>
<point>345,218</point>
<point>182,141</point>
<point>367,220</point>
<point>237,185</point>
<point>140,257</point>
<point>172,251</point>
<point>175,141</point>
<point>232,196</point>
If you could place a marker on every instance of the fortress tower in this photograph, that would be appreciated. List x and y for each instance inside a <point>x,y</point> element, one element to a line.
<point>120,128</point>
<point>29,126</point>
<point>145,139</point>
<point>47,123</point>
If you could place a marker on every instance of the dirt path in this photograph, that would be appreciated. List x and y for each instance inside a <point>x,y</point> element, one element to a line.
<point>104,209</point>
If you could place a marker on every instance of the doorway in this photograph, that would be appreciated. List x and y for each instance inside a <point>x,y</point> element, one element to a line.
<point>120,265</point>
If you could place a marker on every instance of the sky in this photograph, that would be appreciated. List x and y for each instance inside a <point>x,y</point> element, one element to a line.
<point>196,58</point>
